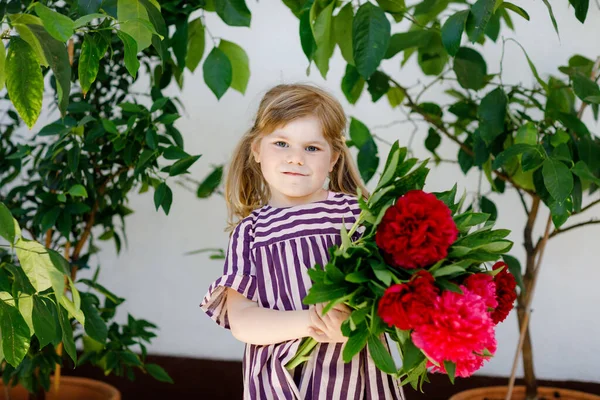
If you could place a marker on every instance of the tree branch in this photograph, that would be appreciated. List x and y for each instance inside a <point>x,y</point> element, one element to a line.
<point>590,222</point>
<point>440,126</point>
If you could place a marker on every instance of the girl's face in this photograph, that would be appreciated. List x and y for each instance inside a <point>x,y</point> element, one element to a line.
<point>295,161</point>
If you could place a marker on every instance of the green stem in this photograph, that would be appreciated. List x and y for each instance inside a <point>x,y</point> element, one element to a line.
<point>306,346</point>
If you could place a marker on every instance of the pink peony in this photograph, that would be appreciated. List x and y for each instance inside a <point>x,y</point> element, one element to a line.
<point>483,285</point>
<point>460,330</point>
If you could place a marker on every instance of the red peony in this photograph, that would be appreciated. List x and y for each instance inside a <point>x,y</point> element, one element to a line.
<point>505,292</point>
<point>483,285</point>
<point>459,331</point>
<point>407,305</point>
<point>417,231</point>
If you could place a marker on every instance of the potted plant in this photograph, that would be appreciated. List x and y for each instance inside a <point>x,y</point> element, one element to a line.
<point>65,186</point>
<point>530,139</point>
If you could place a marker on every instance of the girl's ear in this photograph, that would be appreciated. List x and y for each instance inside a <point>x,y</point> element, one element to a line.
<point>334,158</point>
<point>255,147</point>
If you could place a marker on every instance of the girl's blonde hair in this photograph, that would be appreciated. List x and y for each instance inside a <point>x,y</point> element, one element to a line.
<point>245,186</point>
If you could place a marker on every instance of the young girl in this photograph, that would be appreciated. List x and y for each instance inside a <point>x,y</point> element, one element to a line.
<point>286,223</point>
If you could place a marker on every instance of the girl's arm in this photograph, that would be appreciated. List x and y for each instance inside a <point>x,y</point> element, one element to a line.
<point>253,324</point>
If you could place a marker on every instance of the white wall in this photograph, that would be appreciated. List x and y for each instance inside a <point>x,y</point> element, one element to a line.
<point>165,287</point>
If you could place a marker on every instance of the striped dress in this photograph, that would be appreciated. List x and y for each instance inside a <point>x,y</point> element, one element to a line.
<point>267,259</point>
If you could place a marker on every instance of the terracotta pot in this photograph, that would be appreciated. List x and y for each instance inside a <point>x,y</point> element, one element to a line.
<point>71,388</point>
<point>544,393</point>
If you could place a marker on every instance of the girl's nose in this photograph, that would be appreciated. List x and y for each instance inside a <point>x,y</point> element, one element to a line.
<point>295,157</point>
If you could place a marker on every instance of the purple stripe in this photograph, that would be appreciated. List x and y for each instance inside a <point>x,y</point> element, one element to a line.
<point>360,391</point>
<point>318,371</point>
<point>333,370</point>
<point>369,393</point>
<point>263,358</point>
<point>278,366</point>
<point>380,389</point>
<point>265,222</point>
<point>289,297</point>
<point>299,269</point>
<point>263,299</point>
<point>336,198</point>
<point>324,222</point>
<point>346,379</point>
<point>318,256</point>
<point>281,286</point>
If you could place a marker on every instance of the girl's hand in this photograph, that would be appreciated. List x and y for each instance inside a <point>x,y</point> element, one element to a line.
<point>327,328</point>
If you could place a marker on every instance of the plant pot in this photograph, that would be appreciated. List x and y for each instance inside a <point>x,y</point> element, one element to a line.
<point>544,393</point>
<point>71,388</point>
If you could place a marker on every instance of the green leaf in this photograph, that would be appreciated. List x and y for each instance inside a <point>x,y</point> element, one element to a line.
<point>433,140</point>
<point>79,22</point>
<point>584,87</point>
<point>450,369</point>
<point>581,9</point>
<point>58,59</point>
<point>395,96</point>
<point>452,31</point>
<point>14,333</point>
<point>181,166</point>
<point>174,153</point>
<point>549,7</point>
<point>359,133</point>
<point>131,49</point>
<point>408,40</point>
<point>45,321</point>
<point>413,356</point>
<point>392,6</point>
<point>532,67</point>
<point>89,6</point>
<point>218,72</point>
<point>488,207</point>
<point>470,69</point>
<point>130,14</point>
<point>37,265</point>
<point>24,81</point>
<point>92,51</point>
<point>582,170</point>
<point>557,179</point>
<point>342,32</point>
<point>367,160</point>
<point>95,326</point>
<point>157,371</point>
<point>239,65</point>
<point>381,356</point>
<point>179,41</point>
<point>163,197</point>
<point>155,17</point>
<point>58,25</point>
<point>481,12</point>
<point>307,38</point>
<point>26,309</point>
<point>2,67</point>
<point>67,334</point>
<point>324,37</point>
<point>433,57</point>
<point>370,38</point>
<point>511,152</point>
<point>233,12</point>
<point>7,226</point>
<point>491,114</point>
<point>378,85</point>
<point>210,183</point>
<point>78,191</point>
<point>448,270</point>
<point>22,23</point>
<point>356,342</point>
<point>516,9</point>
<point>352,84</point>
<point>196,44</point>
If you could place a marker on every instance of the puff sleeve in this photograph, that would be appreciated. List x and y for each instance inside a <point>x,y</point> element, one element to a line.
<point>239,273</point>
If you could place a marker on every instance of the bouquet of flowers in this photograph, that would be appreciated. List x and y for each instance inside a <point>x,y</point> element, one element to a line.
<point>419,274</point>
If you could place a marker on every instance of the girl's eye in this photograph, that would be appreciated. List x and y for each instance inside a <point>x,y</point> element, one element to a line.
<point>312,147</point>
<point>280,142</point>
